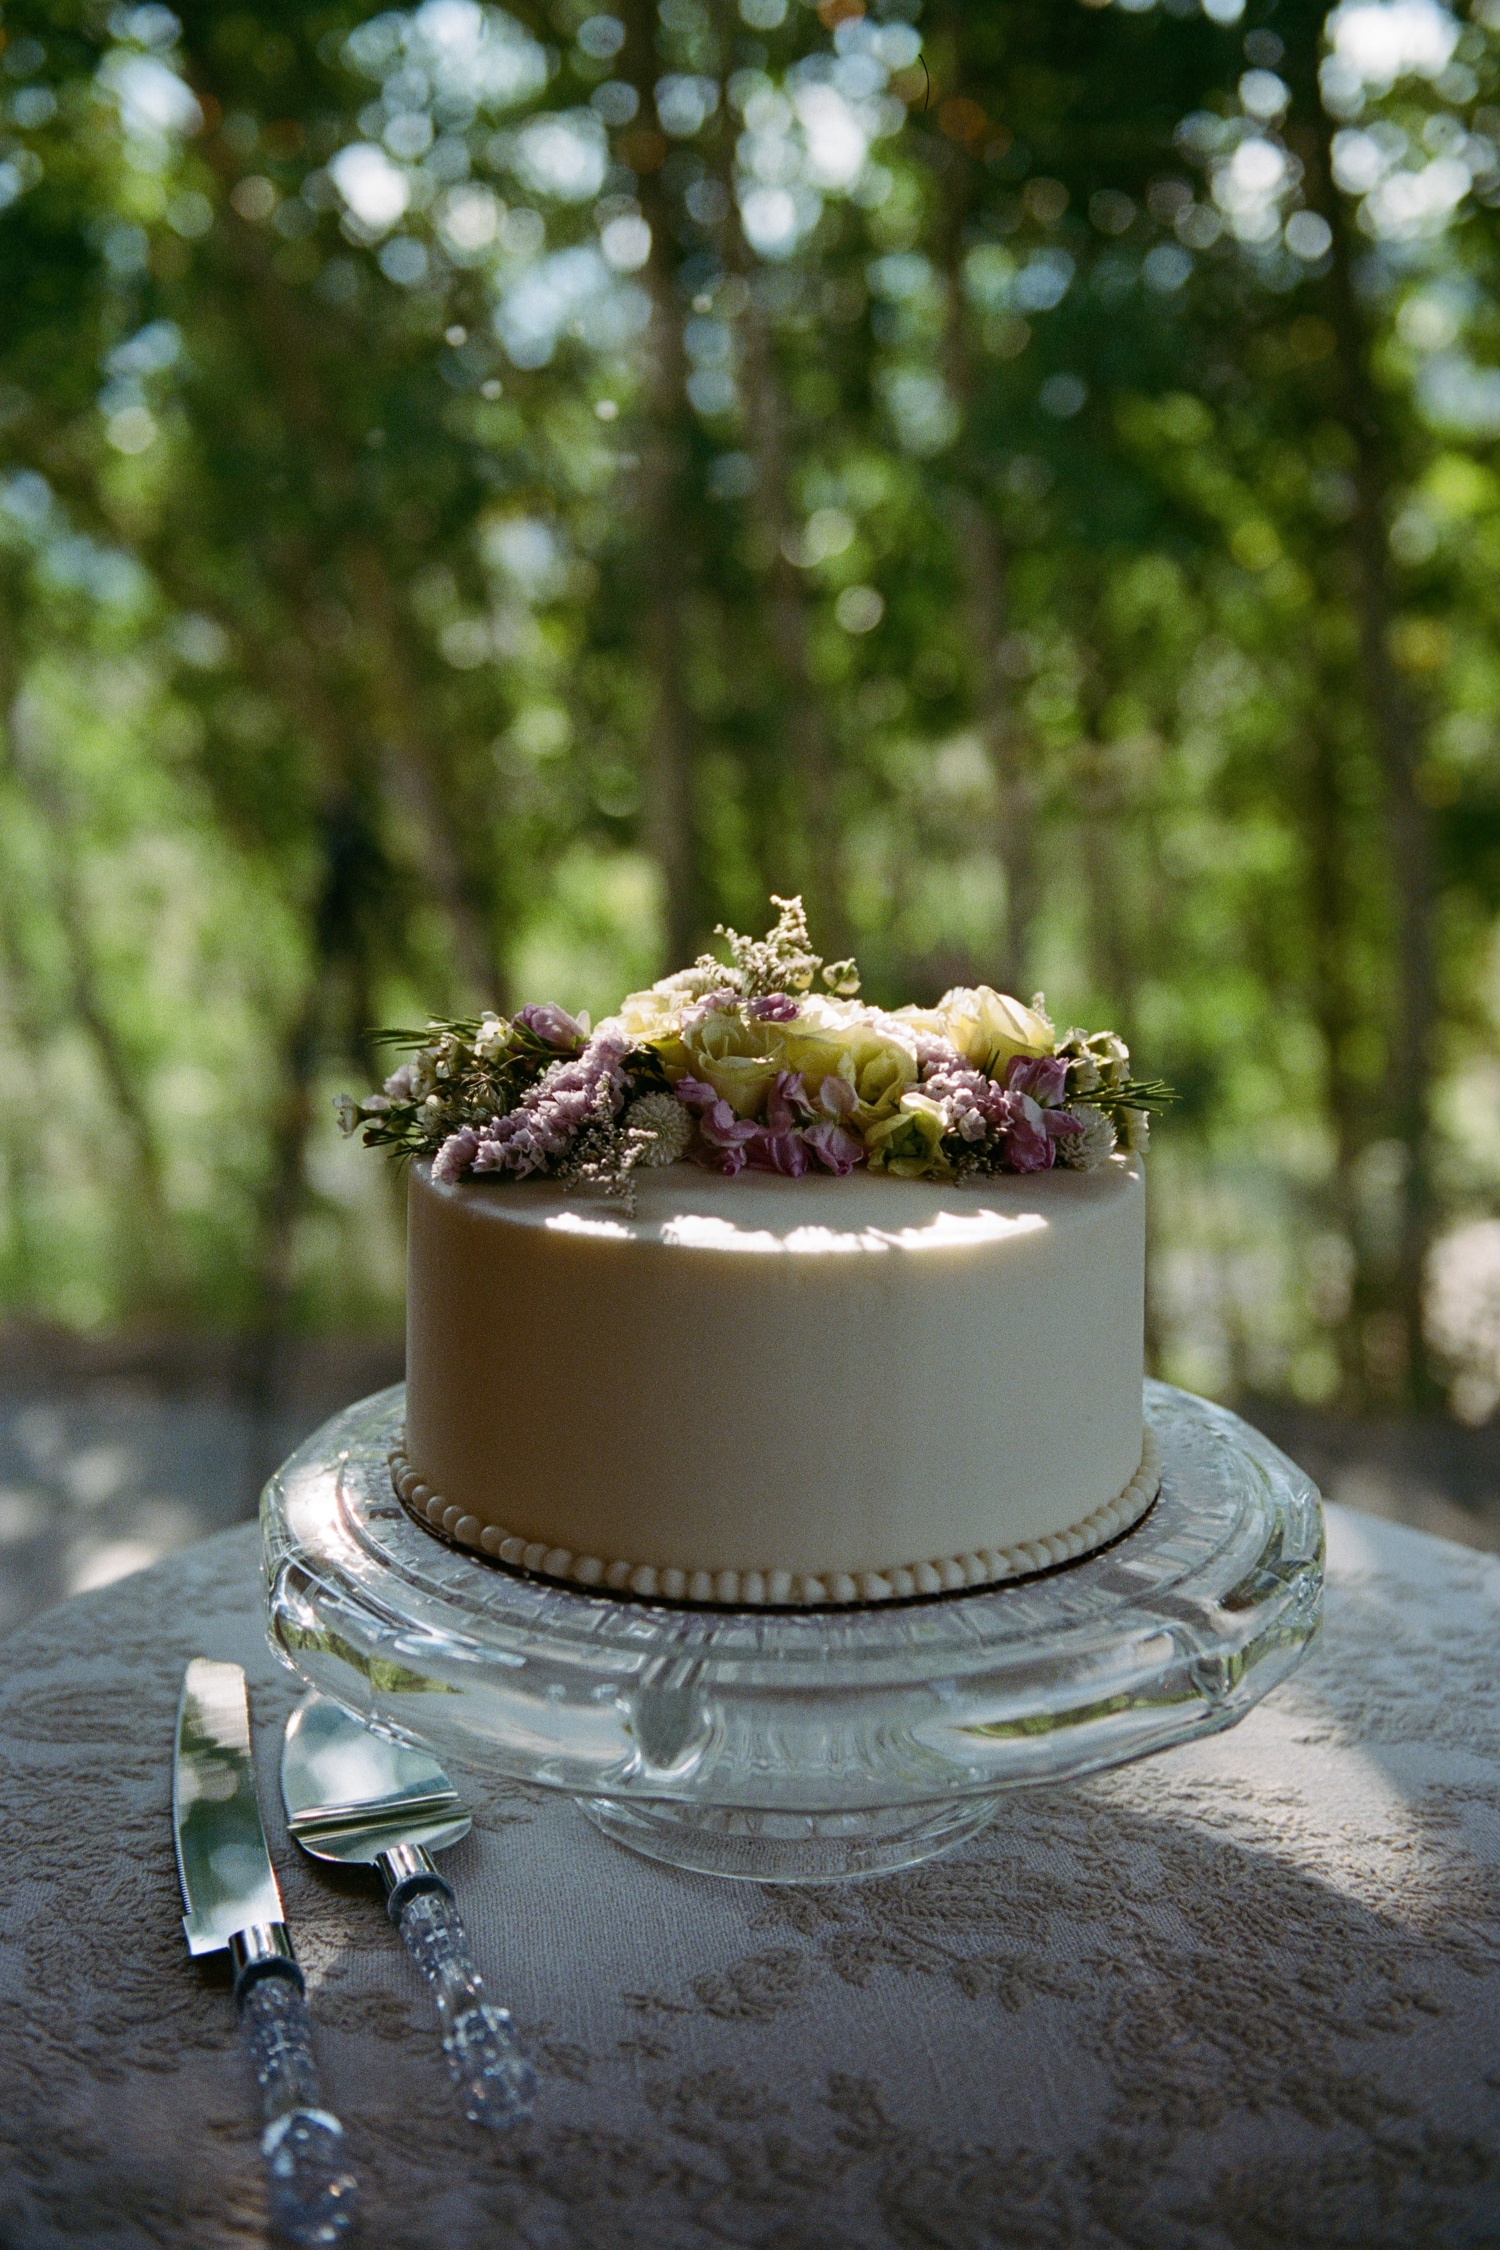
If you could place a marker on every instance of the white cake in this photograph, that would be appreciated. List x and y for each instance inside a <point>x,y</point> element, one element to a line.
<point>778,1390</point>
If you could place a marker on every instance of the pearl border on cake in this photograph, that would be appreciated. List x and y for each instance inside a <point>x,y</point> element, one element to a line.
<point>987,1566</point>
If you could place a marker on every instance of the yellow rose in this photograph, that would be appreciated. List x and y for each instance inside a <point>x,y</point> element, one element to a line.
<point>740,1055</point>
<point>840,1039</point>
<point>881,1074</point>
<point>988,1028</point>
<point>908,1143</point>
<point>929,1020</point>
<point>653,1020</point>
<point>646,1014</point>
<point>739,1059</point>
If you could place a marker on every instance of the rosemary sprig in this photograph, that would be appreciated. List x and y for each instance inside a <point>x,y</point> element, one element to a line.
<point>1152,1094</point>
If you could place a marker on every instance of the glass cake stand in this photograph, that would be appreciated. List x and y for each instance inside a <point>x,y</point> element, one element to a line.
<point>800,1745</point>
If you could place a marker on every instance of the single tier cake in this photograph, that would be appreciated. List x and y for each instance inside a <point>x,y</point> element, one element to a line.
<point>755,1292</point>
<point>767,1389</point>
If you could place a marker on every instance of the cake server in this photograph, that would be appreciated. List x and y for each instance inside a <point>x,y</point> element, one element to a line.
<point>362,1799</point>
<point>233,1904</point>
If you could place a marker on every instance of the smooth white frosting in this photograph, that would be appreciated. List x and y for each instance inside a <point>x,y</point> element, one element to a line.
<point>767,1381</point>
<point>941,1574</point>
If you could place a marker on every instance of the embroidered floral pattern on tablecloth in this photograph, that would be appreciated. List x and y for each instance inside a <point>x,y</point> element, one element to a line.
<point>1239,1996</point>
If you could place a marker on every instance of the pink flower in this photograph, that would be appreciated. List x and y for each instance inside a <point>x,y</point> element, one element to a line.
<point>1028,1145</point>
<point>974,1105</point>
<point>1043,1077</point>
<point>774,1007</point>
<point>934,1054</point>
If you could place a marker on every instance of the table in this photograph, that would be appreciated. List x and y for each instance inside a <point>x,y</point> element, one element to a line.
<point>1240,1996</point>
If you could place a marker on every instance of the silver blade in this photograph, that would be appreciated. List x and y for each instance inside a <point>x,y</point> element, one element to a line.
<point>351,1794</point>
<point>222,1861</point>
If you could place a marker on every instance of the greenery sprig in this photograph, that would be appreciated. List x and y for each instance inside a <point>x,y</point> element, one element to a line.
<point>467,1070</point>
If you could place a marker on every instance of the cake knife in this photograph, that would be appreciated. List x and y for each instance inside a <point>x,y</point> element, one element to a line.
<point>229,1890</point>
<point>362,1799</point>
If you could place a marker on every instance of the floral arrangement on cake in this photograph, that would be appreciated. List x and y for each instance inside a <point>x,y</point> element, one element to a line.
<point>746,1063</point>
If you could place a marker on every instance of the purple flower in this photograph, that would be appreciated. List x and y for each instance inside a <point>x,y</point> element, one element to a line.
<point>455,1156</point>
<point>716,1003</point>
<point>693,1093</point>
<point>1061,1123</point>
<point>787,1101</point>
<point>772,1007</point>
<point>722,1129</point>
<point>1043,1077</point>
<point>777,1150</point>
<point>729,1161</point>
<point>836,1096</point>
<point>548,1116</point>
<point>552,1025</point>
<point>837,1151</point>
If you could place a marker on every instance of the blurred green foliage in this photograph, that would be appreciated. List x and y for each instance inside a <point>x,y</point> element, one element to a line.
<point>486,494</point>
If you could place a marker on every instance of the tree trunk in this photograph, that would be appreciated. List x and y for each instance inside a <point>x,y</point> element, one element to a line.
<point>1395,728</point>
<point>335,946</point>
<point>815,864</point>
<point>1333,1009</point>
<point>667,533</point>
<point>980,549</point>
<point>809,735</point>
<point>669,795</point>
<point>982,559</point>
<point>408,762</point>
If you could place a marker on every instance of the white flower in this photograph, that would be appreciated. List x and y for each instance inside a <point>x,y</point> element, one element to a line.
<point>346,1109</point>
<point>669,1124</point>
<point>492,1037</point>
<point>686,985</point>
<point>1090,1150</point>
<point>1137,1130</point>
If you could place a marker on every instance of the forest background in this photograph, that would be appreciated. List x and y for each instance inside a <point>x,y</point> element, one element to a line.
<point>486,495</point>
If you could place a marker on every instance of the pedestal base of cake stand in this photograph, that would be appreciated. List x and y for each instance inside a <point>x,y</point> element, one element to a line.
<point>791,1746</point>
<point>769,1847</point>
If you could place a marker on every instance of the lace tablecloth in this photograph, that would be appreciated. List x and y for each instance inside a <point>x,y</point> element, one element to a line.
<point>1244,1994</point>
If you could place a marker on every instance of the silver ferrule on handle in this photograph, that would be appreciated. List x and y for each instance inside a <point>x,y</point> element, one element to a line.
<point>406,1870</point>
<point>265,1948</point>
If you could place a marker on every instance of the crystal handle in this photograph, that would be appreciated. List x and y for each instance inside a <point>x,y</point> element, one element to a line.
<point>495,2081</point>
<point>309,2186</point>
